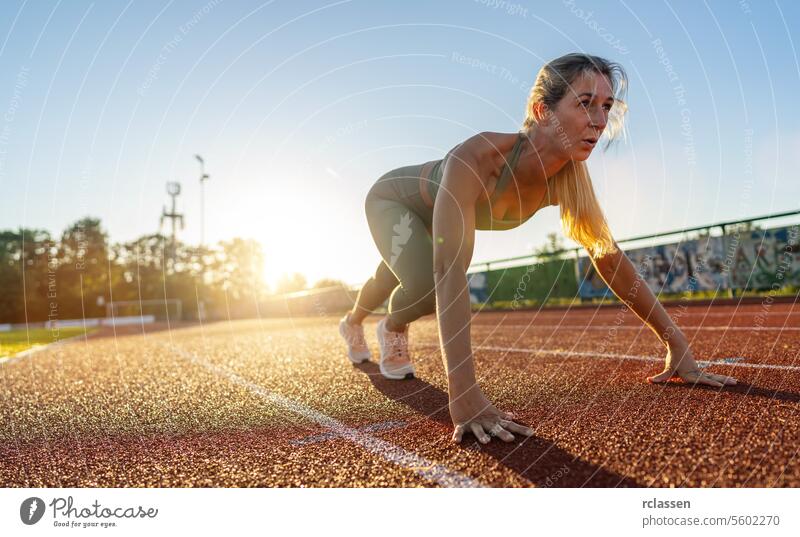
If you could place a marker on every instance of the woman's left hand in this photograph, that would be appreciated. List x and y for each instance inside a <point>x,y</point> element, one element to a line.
<point>681,363</point>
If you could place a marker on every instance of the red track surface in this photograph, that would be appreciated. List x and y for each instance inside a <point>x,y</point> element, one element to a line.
<point>276,403</point>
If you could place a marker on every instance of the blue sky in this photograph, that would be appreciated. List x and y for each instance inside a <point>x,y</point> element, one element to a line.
<point>298,107</point>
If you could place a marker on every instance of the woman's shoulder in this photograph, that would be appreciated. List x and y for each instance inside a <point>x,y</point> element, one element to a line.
<point>487,148</point>
<point>489,143</point>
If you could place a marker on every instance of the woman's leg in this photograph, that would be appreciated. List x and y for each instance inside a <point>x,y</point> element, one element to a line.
<point>402,238</point>
<point>373,293</point>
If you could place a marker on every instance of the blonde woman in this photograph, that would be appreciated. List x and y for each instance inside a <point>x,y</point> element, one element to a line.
<point>497,181</point>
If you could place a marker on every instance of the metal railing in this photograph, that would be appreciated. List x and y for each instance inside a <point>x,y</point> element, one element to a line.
<point>723,226</point>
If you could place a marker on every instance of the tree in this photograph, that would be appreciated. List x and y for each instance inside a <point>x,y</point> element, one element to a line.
<point>553,245</point>
<point>329,282</point>
<point>291,283</point>
<point>241,268</point>
<point>82,269</point>
<point>43,279</point>
<point>27,275</point>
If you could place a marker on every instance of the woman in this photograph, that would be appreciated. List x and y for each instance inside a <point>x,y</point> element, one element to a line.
<point>496,181</point>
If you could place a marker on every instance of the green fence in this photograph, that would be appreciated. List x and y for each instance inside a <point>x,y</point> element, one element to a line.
<point>533,283</point>
<point>740,258</point>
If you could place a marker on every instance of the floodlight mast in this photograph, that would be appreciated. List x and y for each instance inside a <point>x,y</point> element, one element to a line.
<point>173,190</point>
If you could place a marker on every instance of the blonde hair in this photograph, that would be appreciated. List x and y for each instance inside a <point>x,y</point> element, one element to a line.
<point>581,216</point>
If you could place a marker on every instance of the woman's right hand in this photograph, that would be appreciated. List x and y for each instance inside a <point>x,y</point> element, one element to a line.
<point>472,412</point>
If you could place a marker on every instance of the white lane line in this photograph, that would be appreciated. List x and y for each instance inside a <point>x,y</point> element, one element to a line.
<point>690,326</point>
<point>737,361</point>
<point>437,473</point>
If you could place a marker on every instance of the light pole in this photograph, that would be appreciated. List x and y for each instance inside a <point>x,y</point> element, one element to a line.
<point>174,190</point>
<point>201,305</point>
<point>203,179</point>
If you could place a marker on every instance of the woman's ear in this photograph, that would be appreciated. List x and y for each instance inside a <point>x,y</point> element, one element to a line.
<point>541,113</point>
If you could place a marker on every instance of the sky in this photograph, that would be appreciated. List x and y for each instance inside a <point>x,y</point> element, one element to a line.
<point>297,107</point>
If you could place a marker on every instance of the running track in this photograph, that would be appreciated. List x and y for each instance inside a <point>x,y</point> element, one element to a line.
<point>275,403</point>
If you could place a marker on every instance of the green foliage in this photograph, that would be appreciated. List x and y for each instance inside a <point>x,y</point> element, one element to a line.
<point>329,282</point>
<point>554,244</point>
<point>290,283</point>
<point>46,279</point>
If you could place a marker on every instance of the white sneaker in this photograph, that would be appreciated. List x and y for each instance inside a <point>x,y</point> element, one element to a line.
<point>353,335</point>
<point>395,363</point>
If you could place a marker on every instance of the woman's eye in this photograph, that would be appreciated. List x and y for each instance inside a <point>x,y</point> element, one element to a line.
<point>606,106</point>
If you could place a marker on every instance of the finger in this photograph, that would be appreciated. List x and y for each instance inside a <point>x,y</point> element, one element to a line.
<point>661,377</point>
<point>493,428</point>
<point>718,378</point>
<point>498,431</point>
<point>691,377</point>
<point>724,379</point>
<point>458,434</point>
<point>477,430</point>
<point>508,415</point>
<point>516,427</point>
<point>707,379</point>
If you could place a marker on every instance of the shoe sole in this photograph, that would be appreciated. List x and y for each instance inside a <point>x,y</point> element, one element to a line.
<point>405,372</point>
<point>357,360</point>
<point>353,359</point>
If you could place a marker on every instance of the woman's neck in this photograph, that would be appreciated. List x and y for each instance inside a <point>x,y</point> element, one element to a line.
<point>541,155</point>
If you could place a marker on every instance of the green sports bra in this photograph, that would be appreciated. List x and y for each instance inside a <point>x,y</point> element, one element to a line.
<point>483,214</point>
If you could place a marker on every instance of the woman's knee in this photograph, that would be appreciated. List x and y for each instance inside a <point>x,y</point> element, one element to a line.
<point>412,308</point>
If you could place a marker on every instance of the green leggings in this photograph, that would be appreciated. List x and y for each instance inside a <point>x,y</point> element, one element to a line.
<point>400,224</point>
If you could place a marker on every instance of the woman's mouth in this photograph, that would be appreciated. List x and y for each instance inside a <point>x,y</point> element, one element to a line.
<point>589,142</point>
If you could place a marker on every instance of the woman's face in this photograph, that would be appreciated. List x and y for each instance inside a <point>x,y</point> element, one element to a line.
<point>581,115</point>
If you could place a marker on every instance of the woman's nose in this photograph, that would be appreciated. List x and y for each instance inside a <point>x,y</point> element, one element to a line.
<point>599,120</point>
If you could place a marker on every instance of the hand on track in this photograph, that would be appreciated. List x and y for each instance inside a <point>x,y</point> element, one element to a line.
<point>472,412</point>
<point>681,363</point>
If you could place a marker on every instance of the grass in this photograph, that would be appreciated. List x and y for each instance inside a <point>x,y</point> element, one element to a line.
<point>19,340</point>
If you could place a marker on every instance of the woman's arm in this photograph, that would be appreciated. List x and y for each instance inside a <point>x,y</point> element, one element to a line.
<point>621,277</point>
<point>453,240</point>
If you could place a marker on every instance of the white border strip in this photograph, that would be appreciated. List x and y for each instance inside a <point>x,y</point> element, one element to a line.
<point>437,473</point>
